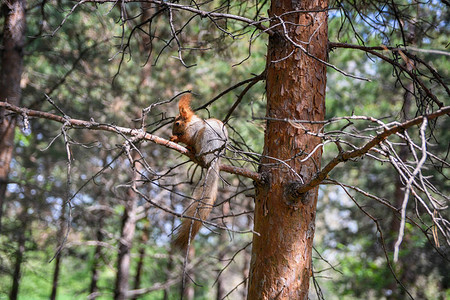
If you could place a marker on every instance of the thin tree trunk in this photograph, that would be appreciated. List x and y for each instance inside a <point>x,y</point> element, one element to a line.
<point>169,266</point>
<point>95,274</point>
<point>56,277</point>
<point>125,244</point>
<point>10,76</point>
<point>187,289</point>
<point>221,292</point>
<point>61,232</point>
<point>246,258</point>
<point>281,255</point>
<point>128,220</point>
<point>245,272</point>
<point>143,245</point>
<point>18,264</point>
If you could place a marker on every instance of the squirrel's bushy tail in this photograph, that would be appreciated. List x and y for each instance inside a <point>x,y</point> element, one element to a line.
<point>204,197</point>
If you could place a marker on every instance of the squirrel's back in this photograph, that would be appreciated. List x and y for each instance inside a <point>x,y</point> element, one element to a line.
<point>207,138</point>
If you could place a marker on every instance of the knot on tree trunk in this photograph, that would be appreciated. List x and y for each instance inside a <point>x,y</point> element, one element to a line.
<point>293,197</point>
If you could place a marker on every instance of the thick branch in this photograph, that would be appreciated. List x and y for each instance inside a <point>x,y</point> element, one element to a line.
<point>137,133</point>
<point>297,189</point>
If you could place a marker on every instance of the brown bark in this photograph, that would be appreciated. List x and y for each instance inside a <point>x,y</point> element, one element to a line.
<point>10,76</point>
<point>281,256</point>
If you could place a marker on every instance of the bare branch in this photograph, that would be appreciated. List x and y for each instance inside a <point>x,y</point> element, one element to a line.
<point>137,133</point>
<point>373,51</point>
<point>358,152</point>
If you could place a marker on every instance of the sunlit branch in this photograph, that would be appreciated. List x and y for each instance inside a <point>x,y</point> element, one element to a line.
<point>298,188</point>
<point>137,133</point>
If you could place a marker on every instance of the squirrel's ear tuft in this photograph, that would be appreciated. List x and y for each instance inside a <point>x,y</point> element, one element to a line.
<point>185,106</point>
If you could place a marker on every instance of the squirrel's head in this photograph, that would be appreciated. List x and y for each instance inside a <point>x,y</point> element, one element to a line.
<point>179,126</point>
<point>185,116</point>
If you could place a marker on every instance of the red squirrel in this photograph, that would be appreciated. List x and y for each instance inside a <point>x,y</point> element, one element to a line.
<point>207,140</point>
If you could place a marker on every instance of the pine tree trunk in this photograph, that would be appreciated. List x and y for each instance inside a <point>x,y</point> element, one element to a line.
<point>10,76</point>
<point>281,255</point>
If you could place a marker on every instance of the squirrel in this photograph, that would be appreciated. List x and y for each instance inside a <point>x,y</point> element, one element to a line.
<point>207,140</point>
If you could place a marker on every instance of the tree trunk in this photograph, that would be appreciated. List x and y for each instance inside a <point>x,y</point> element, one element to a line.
<point>246,258</point>
<point>142,247</point>
<point>56,277</point>
<point>95,274</point>
<point>61,232</point>
<point>281,263</point>
<point>125,244</point>
<point>169,266</point>
<point>221,292</point>
<point>187,287</point>
<point>10,76</point>
<point>19,258</point>
<point>128,220</point>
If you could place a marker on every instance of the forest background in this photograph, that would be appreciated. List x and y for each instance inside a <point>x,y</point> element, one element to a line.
<point>71,192</point>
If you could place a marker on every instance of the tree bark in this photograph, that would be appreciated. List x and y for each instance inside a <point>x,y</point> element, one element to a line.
<point>281,263</point>
<point>10,76</point>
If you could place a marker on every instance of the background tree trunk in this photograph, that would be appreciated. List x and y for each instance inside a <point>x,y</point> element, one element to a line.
<point>10,76</point>
<point>142,246</point>
<point>126,240</point>
<point>223,238</point>
<point>281,255</point>
<point>95,272</point>
<point>19,256</point>
<point>129,216</point>
<point>187,289</point>
<point>61,233</point>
